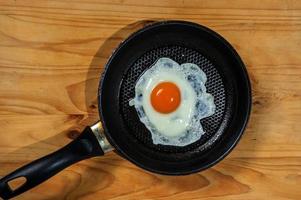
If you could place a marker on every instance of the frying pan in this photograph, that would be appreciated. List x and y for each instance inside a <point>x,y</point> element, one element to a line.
<point>119,127</point>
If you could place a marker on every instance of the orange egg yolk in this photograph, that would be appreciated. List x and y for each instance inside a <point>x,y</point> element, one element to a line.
<point>165,97</point>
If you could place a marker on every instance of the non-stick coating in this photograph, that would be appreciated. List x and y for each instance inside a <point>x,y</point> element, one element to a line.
<point>227,82</point>
<point>214,86</point>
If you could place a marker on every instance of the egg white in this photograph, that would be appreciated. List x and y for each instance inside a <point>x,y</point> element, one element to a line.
<point>181,127</point>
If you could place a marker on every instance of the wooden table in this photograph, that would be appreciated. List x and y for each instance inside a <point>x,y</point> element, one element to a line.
<point>51,56</point>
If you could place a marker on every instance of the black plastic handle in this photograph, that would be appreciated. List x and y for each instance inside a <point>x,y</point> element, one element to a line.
<point>36,172</point>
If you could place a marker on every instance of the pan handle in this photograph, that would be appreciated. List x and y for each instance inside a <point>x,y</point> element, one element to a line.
<point>87,145</point>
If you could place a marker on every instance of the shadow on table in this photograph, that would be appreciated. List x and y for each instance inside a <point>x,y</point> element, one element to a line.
<point>99,60</point>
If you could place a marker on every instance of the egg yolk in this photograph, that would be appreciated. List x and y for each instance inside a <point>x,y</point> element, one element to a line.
<point>165,97</point>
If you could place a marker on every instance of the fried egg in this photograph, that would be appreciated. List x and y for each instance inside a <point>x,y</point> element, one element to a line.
<point>170,100</point>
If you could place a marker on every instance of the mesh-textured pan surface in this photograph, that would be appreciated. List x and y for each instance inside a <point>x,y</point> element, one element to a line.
<point>214,86</point>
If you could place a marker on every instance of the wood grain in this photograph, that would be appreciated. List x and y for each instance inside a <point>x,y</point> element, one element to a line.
<point>51,56</point>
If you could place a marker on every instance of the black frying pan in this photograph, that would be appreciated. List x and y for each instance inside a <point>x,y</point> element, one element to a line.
<point>120,127</point>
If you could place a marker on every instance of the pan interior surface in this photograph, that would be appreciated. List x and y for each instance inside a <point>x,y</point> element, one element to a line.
<point>214,86</point>
<point>227,81</point>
